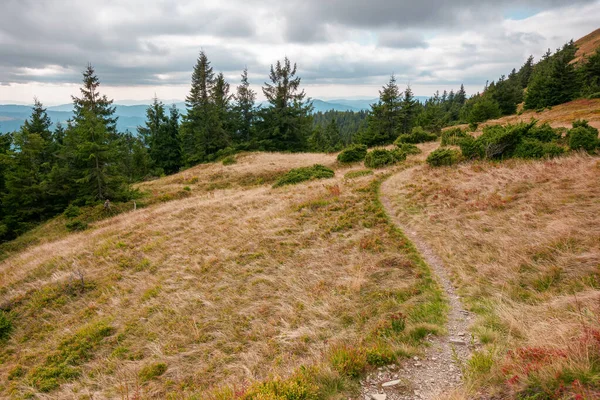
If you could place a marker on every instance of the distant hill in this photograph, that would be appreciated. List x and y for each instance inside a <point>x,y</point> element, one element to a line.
<point>131,116</point>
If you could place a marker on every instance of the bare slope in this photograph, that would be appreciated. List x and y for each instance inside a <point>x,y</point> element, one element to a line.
<point>210,290</point>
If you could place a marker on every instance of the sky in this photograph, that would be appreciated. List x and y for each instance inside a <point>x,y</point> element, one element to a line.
<point>343,48</point>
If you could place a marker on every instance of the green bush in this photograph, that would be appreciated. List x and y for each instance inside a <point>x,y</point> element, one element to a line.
<point>533,148</point>
<point>530,148</point>
<point>302,174</point>
<point>61,365</point>
<point>418,135</point>
<point>380,158</point>
<point>348,361</point>
<point>471,148</point>
<point>152,371</point>
<point>380,355</point>
<point>407,148</point>
<point>440,157</point>
<point>76,225</point>
<point>543,133</point>
<point>5,325</point>
<point>453,136</point>
<point>594,95</point>
<point>501,141</point>
<point>301,386</point>
<point>581,137</point>
<point>353,153</point>
<point>229,160</point>
<point>553,150</point>
<point>72,211</point>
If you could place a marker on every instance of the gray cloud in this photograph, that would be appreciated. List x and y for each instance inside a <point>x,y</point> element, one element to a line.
<point>156,42</point>
<point>401,40</point>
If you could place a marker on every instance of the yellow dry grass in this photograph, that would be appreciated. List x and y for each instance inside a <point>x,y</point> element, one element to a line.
<point>225,287</point>
<point>522,241</point>
<point>560,116</point>
<point>587,45</point>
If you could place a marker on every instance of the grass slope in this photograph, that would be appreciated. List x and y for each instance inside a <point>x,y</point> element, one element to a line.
<point>558,116</point>
<point>587,45</point>
<point>522,241</point>
<point>218,284</point>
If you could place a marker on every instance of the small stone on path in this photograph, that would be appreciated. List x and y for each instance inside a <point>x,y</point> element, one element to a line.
<point>391,383</point>
<point>379,396</point>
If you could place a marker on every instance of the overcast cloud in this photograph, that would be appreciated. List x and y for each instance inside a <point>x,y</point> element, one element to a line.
<point>343,48</point>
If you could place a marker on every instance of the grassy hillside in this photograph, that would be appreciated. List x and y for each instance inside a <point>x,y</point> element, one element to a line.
<point>562,115</point>
<point>587,45</point>
<point>522,241</point>
<point>221,282</point>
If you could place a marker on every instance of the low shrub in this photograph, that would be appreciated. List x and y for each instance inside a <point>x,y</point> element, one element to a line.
<point>408,148</point>
<point>533,148</point>
<point>5,325</point>
<point>72,211</point>
<point>61,365</point>
<point>298,387</point>
<point>451,137</point>
<point>440,157</point>
<point>76,225</point>
<point>581,137</point>
<point>152,371</point>
<point>353,153</point>
<point>380,355</point>
<point>471,148</point>
<point>543,133</point>
<point>348,361</point>
<point>594,95</point>
<point>418,135</point>
<point>302,174</point>
<point>229,160</point>
<point>380,158</point>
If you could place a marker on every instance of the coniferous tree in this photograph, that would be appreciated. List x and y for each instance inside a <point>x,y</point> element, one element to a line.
<point>524,74</point>
<point>170,146</point>
<point>161,137</point>
<point>202,133</point>
<point>332,137</point>
<point>384,120</point>
<point>286,123</point>
<point>554,80</point>
<point>25,201</point>
<point>590,71</point>
<point>409,108</point>
<point>91,146</point>
<point>245,109</point>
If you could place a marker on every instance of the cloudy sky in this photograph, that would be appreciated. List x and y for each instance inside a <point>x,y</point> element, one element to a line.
<point>343,48</point>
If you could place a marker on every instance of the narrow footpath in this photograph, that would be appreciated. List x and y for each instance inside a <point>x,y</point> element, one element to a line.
<point>439,371</point>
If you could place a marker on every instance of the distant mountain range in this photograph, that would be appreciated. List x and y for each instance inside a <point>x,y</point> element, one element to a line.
<point>131,116</point>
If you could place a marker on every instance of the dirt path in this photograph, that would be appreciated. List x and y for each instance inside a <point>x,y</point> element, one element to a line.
<point>435,374</point>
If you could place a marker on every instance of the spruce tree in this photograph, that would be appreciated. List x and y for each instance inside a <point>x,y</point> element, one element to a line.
<point>384,120</point>
<point>245,109</point>
<point>170,146</point>
<point>409,110</point>
<point>286,123</point>
<point>91,146</point>
<point>202,131</point>
<point>332,137</point>
<point>25,201</point>
<point>524,74</point>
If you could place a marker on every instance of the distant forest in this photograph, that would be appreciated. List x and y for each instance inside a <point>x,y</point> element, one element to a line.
<point>44,171</point>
